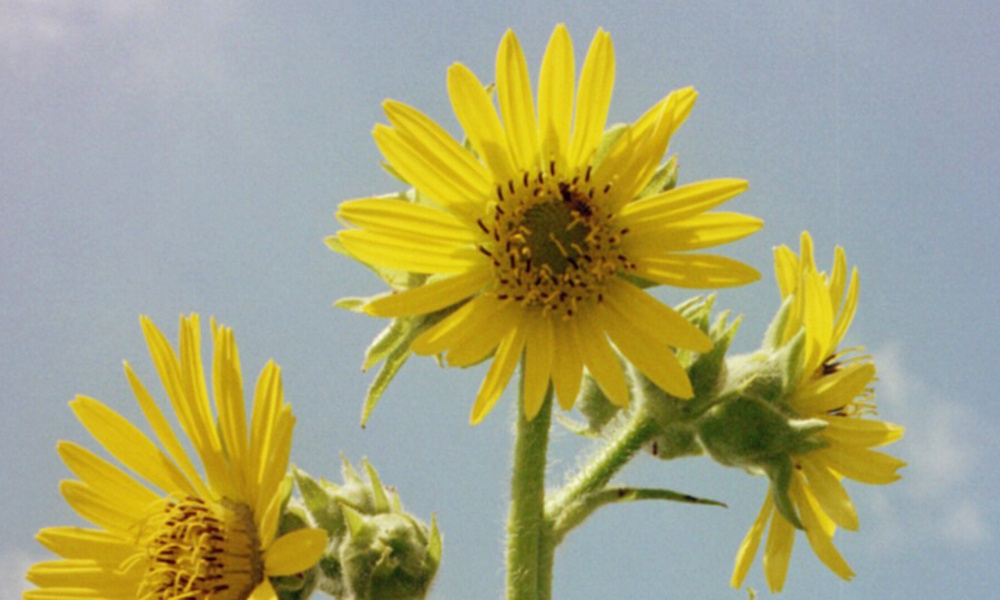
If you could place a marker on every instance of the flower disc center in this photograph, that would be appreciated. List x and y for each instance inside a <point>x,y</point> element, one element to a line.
<point>554,247</point>
<point>199,549</point>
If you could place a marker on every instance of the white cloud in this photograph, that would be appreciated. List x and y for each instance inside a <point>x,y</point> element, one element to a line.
<point>943,502</point>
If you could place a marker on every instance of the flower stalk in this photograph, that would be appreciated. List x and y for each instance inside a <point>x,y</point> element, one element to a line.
<point>527,530</point>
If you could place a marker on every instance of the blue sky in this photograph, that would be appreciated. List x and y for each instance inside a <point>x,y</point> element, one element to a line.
<point>160,158</point>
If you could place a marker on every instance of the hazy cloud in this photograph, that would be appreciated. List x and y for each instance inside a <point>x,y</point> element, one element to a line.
<point>942,501</point>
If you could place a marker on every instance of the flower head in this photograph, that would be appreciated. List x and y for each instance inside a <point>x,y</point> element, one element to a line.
<point>832,387</point>
<point>164,530</point>
<point>535,238</point>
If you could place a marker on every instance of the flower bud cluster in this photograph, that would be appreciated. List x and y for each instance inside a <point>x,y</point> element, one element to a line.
<point>376,549</point>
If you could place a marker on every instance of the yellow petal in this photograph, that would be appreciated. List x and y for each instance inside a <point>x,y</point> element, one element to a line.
<point>695,270</point>
<point>414,221</point>
<point>476,343</point>
<point>659,320</point>
<point>555,98</point>
<point>679,203</point>
<point>435,160</point>
<point>410,253</point>
<point>786,270</point>
<point>508,353</point>
<point>80,579</point>
<point>602,362</point>
<point>702,231</point>
<point>127,444</point>
<point>264,591</point>
<point>830,494</point>
<point>860,464</point>
<point>227,383</point>
<point>593,99</point>
<point>865,433</point>
<point>567,366</point>
<point>778,552</point>
<point>651,355</point>
<point>166,476</point>
<point>98,509</point>
<point>834,391</point>
<point>191,408</point>
<point>822,544</point>
<point>846,313</point>
<point>431,296</point>
<point>106,480</point>
<point>517,108</point>
<point>479,120</point>
<point>95,544</point>
<point>294,552</point>
<point>538,350</point>
<point>748,548</point>
<point>270,446</point>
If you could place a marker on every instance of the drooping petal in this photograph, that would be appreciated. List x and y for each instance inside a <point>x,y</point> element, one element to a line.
<point>822,544</point>
<point>538,357</point>
<point>748,548</point>
<point>831,495</point>
<point>778,552</point>
<point>97,544</point>
<point>567,366</point>
<point>508,353</point>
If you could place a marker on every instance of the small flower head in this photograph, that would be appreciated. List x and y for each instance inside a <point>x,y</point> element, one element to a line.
<point>828,392</point>
<point>535,238</point>
<point>175,533</point>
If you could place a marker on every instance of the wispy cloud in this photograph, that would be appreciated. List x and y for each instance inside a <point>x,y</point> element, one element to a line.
<point>942,501</point>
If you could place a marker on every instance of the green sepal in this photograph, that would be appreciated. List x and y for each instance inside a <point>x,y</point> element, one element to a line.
<point>664,179</point>
<point>776,328</point>
<point>779,471</point>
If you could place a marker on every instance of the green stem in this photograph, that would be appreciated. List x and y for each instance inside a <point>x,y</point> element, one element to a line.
<point>527,530</point>
<point>598,471</point>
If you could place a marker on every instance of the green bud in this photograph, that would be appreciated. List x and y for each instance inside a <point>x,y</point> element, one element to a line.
<point>743,432</point>
<point>376,550</point>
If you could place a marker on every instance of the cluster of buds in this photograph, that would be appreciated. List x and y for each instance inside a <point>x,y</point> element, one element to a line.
<point>376,549</point>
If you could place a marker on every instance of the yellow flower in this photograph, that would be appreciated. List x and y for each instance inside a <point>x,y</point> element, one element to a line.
<point>194,538</point>
<point>532,233</point>
<point>835,388</point>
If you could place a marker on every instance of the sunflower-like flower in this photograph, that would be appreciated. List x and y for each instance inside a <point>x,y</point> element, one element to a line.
<point>834,386</point>
<point>164,531</point>
<point>536,239</point>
